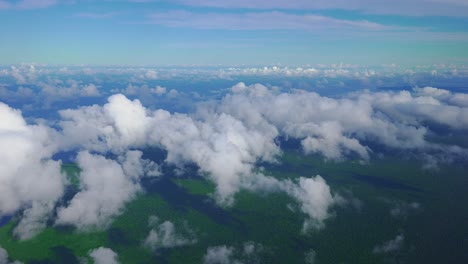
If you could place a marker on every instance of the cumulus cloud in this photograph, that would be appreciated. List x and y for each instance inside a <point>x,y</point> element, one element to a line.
<point>54,90</point>
<point>414,110</point>
<point>115,126</point>
<point>403,209</point>
<point>104,255</point>
<point>164,235</point>
<point>310,257</point>
<point>106,186</point>
<point>223,254</point>
<point>226,139</point>
<point>336,128</point>
<point>315,199</point>
<point>30,179</point>
<point>159,90</point>
<point>33,220</point>
<point>390,246</point>
<point>151,75</point>
<point>220,255</point>
<point>218,143</point>
<point>4,258</point>
<point>90,90</point>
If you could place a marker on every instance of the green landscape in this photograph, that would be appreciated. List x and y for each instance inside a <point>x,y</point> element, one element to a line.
<point>383,198</point>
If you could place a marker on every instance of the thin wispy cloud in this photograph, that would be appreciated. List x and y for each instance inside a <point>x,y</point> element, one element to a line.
<point>398,7</point>
<point>97,15</point>
<point>28,4</point>
<point>273,20</point>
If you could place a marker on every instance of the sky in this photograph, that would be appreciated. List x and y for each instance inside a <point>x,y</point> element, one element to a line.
<point>209,32</point>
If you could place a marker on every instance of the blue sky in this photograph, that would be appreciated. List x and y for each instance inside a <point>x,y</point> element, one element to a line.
<point>209,32</point>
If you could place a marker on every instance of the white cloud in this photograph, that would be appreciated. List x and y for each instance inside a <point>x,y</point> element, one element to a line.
<point>115,126</point>
<point>54,90</point>
<point>104,255</point>
<point>165,236</point>
<point>220,255</point>
<point>227,139</point>
<point>310,257</point>
<point>249,253</point>
<point>159,90</point>
<point>212,142</point>
<point>90,90</point>
<point>105,189</point>
<point>336,128</point>
<point>33,220</point>
<point>390,246</point>
<point>403,209</point>
<point>151,75</point>
<point>28,160</point>
<point>415,110</point>
<point>315,199</point>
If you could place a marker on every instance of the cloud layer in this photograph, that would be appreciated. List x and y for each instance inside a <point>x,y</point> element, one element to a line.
<point>225,139</point>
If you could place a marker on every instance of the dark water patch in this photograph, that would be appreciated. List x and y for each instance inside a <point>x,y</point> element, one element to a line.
<point>64,229</point>
<point>117,237</point>
<point>155,154</point>
<point>65,156</point>
<point>180,199</point>
<point>5,219</point>
<point>64,255</point>
<point>61,254</point>
<point>291,144</point>
<point>45,261</point>
<point>384,182</point>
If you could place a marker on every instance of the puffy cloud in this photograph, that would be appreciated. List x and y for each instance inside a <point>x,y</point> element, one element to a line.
<point>54,90</point>
<point>33,220</point>
<point>159,90</point>
<point>323,124</point>
<point>90,90</point>
<point>403,209</point>
<point>165,236</point>
<point>104,255</point>
<point>415,110</point>
<point>230,255</point>
<point>314,197</point>
<point>220,255</point>
<point>151,75</point>
<point>218,143</point>
<point>226,139</point>
<point>4,258</point>
<point>105,188</point>
<point>390,246</point>
<point>310,257</point>
<point>30,179</point>
<point>115,126</point>
<point>456,99</point>
<point>336,128</point>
